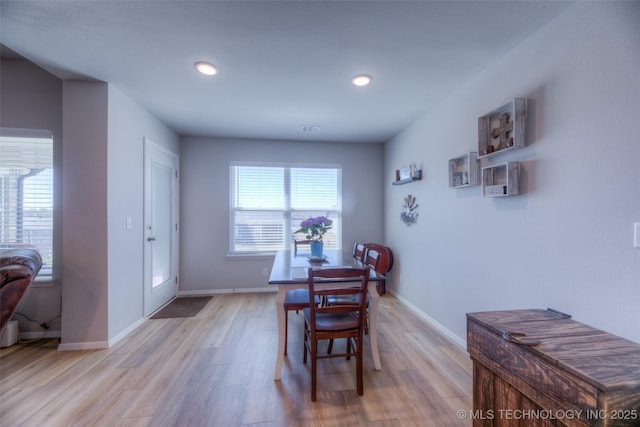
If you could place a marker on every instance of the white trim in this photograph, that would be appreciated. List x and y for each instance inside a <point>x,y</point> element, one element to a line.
<point>92,345</point>
<point>152,296</point>
<point>156,146</point>
<point>286,164</point>
<point>286,209</point>
<point>432,322</point>
<point>34,335</point>
<point>127,331</point>
<point>239,256</point>
<point>270,288</point>
<point>45,282</point>
<point>462,343</point>
<point>26,133</point>
<point>274,288</point>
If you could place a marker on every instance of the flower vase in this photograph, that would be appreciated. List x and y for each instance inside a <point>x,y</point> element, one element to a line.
<point>316,249</point>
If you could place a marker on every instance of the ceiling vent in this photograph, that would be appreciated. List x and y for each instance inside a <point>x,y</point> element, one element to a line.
<point>309,129</point>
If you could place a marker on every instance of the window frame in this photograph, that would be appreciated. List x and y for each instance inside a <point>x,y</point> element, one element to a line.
<point>47,273</point>
<point>288,234</point>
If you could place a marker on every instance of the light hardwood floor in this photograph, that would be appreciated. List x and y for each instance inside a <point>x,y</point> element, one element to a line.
<point>216,369</point>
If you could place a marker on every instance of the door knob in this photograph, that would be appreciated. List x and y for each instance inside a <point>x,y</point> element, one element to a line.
<point>151,239</point>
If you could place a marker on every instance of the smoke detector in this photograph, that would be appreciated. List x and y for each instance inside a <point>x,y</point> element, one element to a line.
<point>309,129</point>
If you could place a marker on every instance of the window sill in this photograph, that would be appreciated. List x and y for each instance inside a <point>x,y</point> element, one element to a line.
<point>250,256</point>
<point>45,282</point>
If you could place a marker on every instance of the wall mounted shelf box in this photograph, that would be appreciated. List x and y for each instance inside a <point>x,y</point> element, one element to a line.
<point>503,129</point>
<point>501,180</point>
<point>406,175</point>
<point>406,180</point>
<point>463,170</point>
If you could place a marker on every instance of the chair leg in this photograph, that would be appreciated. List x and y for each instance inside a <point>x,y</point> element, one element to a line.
<point>286,329</point>
<point>305,343</point>
<point>330,346</point>
<point>366,324</point>
<point>314,352</point>
<point>348,348</point>
<point>359,374</point>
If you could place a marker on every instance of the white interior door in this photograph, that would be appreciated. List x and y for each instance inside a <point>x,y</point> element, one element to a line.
<point>161,226</point>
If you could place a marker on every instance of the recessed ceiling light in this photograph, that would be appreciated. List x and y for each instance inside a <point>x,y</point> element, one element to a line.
<point>361,80</point>
<point>206,68</point>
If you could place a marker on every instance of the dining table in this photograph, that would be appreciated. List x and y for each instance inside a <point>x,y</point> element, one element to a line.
<point>290,271</point>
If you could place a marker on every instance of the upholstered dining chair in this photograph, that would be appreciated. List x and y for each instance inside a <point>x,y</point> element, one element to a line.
<point>329,322</point>
<point>296,299</point>
<point>385,265</point>
<point>371,260</point>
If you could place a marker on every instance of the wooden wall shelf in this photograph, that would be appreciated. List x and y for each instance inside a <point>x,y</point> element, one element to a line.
<point>501,180</point>
<point>406,180</point>
<point>503,129</point>
<point>463,170</point>
<point>407,174</point>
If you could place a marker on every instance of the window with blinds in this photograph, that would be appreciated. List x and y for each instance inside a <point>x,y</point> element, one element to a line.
<point>269,202</point>
<point>26,193</point>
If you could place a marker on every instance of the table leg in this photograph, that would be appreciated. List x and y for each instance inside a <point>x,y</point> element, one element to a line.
<point>281,319</point>
<point>373,325</point>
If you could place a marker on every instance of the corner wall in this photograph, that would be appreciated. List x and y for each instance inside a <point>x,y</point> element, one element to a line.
<point>565,243</point>
<point>102,181</point>
<point>84,220</point>
<point>129,125</point>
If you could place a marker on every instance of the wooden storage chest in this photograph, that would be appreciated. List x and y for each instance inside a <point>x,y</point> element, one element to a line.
<point>541,368</point>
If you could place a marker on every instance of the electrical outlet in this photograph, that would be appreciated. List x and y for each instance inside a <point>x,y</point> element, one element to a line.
<point>636,235</point>
<point>265,272</point>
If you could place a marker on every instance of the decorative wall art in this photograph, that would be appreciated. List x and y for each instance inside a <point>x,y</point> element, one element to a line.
<point>409,213</point>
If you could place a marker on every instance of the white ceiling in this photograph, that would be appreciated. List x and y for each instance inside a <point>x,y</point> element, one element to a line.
<point>282,64</point>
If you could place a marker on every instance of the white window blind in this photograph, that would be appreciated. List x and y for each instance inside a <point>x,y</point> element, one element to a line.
<point>26,192</point>
<point>268,203</point>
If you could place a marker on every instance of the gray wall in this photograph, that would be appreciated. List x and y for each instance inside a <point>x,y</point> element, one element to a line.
<point>567,242</point>
<point>102,184</point>
<point>205,266</point>
<point>84,218</point>
<point>31,98</point>
<point>129,125</point>
<point>98,172</point>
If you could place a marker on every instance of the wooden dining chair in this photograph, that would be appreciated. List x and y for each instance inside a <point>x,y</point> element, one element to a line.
<point>358,251</point>
<point>385,265</point>
<point>296,299</point>
<point>371,260</point>
<point>329,322</point>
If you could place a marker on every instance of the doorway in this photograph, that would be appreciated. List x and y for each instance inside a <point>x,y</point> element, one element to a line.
<point>160,226</point>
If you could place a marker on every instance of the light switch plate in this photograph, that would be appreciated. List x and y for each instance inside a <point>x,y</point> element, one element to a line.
<point>636,235</point>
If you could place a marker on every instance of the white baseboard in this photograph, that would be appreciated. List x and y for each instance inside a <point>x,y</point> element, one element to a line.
<point>127,331</point>
<point>95,345</point>
<point>34,335</point>
<point>431,321</point>
<point>227,291</point>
